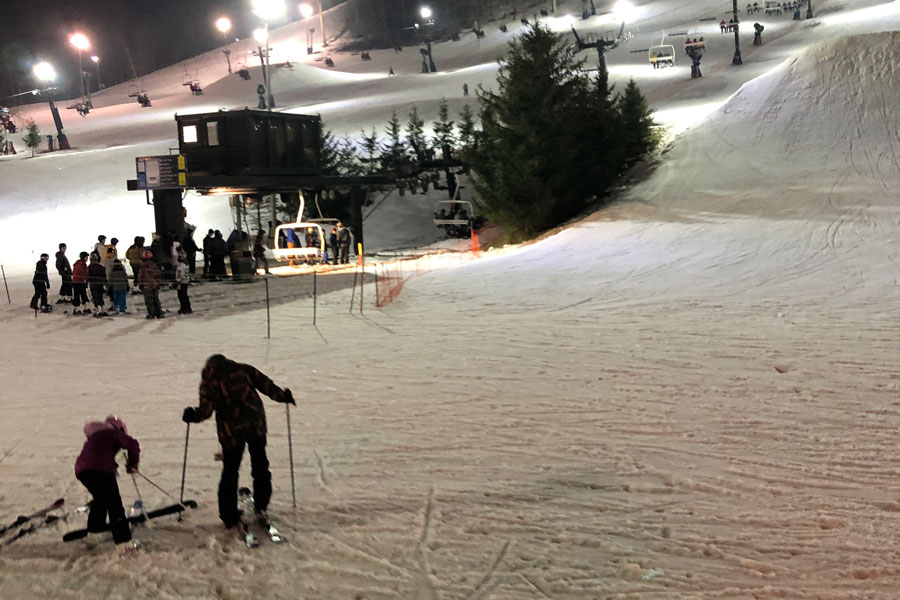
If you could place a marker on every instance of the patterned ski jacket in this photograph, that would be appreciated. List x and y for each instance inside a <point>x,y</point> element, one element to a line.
<point>229,389</point>
<point>149,276</point>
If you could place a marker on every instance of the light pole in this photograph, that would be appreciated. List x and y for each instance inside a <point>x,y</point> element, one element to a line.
<point>737,38</point>
<point>809,13</point>
<point>267,10</point>
<point>82,43</point>
<point>45,73</point>
<point>96,60</point>
<point>223,24</point>
<point>306,11</point>
<point>322,24</point>
<point>427,23</point>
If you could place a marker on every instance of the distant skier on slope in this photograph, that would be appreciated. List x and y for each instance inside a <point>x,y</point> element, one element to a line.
<point>230,389</point>
<point>96,469</point>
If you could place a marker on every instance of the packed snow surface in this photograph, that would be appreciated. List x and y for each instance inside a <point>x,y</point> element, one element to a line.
<point>691,393</point>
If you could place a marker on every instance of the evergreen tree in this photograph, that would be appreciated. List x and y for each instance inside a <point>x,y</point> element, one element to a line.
<point>32,138</point>
<point>533,164</point>
<point>637,123</point>
<point>415,134</point>
<point>443,127</point>
<point>393,156</point>
<point>328,155</point>
<point>370,145</point>
<point>467,128</point>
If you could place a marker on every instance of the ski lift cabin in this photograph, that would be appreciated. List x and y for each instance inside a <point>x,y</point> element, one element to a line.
<point>662,56</point>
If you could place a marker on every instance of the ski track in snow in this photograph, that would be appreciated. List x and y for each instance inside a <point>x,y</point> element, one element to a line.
<point>690,394</point>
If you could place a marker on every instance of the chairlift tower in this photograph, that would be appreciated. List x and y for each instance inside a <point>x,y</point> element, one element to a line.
<point>601,45</point>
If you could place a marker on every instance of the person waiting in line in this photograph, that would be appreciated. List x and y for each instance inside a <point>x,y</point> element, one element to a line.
<point>259,252</point>
<point>133,256</point>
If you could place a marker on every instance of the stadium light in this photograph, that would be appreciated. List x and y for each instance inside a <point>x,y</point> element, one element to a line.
<point>44,71</point>
<point>223,24</point>
<point>269,10</point>
<point>306,11</point>
<point>425,12</point>
<point>261,35</point>
<point>79,41</point>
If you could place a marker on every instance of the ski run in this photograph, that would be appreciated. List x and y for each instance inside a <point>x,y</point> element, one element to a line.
<point>691,393</point>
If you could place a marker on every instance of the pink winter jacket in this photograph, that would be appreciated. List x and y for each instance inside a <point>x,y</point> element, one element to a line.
<point>99,451</point>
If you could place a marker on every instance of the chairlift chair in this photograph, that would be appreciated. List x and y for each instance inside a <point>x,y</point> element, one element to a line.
<point>450,220</point>
<point>300,252</point>
<point>662,56</point>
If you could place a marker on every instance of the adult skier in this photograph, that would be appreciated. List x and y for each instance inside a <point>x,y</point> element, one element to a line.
<point>344,239</point>
<point>65,272</point>
<point>96,278</point>
<point>41,284</point>
<point>229,389</point>
<point>79,285</point>
<point>96,469</point>
<point>150,275</point>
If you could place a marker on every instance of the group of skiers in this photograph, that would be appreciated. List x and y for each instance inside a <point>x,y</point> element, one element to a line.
<point>337,247</point>
<point>102,274</point>
<point>228,389</point>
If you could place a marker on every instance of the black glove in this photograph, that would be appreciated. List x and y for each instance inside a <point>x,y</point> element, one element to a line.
<point>190,415</point>
<point>131,469</point>
<point>48,285</point>
<point>288,397</point>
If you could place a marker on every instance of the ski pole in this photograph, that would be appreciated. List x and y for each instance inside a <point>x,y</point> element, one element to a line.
<point>187,435</point>
<point>182,503</point>
<point>6,284</point>
<point>291,454</point>
<point>141,500</point>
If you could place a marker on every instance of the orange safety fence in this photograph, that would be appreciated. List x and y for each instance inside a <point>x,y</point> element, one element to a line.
<point>391,276</point>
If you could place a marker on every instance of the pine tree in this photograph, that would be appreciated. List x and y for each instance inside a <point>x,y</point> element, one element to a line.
<point>415,134</point>
<point>467,128</point>
<point>637,123</point>
<point>370,145</point>
<point>533,163</point>
<point>443,127</point>
<point>32,138</point>
<point>393,156</point>
<point>328,156</point>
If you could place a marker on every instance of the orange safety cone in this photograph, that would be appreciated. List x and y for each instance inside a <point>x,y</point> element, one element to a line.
<point>476,247</point>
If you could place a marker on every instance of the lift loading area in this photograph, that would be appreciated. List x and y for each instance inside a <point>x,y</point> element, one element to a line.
<point>250,155</point>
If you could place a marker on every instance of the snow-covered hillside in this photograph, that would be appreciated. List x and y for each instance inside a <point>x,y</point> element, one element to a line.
<point>689,394</point>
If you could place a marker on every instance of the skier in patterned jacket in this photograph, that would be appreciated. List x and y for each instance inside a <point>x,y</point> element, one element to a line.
<point>230,389</point>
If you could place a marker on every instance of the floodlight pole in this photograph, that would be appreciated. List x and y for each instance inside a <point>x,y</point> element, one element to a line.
<point>737,37</point>
<point>322,24</point>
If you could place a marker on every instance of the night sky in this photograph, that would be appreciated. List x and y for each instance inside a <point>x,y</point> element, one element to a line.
<point>132,37</point>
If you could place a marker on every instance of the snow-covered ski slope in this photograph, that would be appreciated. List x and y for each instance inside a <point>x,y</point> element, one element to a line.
<point>689,394</point>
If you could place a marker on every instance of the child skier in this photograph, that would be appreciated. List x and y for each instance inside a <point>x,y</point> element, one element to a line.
<point>183,281</point>
<point>96,470</point>
<point>118,285</point>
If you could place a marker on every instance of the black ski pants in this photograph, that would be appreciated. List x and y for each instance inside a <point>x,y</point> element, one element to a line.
<point>106,501</point>
<point>40,294</point>
<point>184,301</point>
<point>65,289</point>
<point>97,294</point>
<point>80,297</point>
<point>228,485</point>
<point>151,299</point>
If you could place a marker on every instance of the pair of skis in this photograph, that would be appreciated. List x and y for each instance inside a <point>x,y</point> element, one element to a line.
<point>245,497</point>
<point>137,518</point>
<point>28,524</point>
